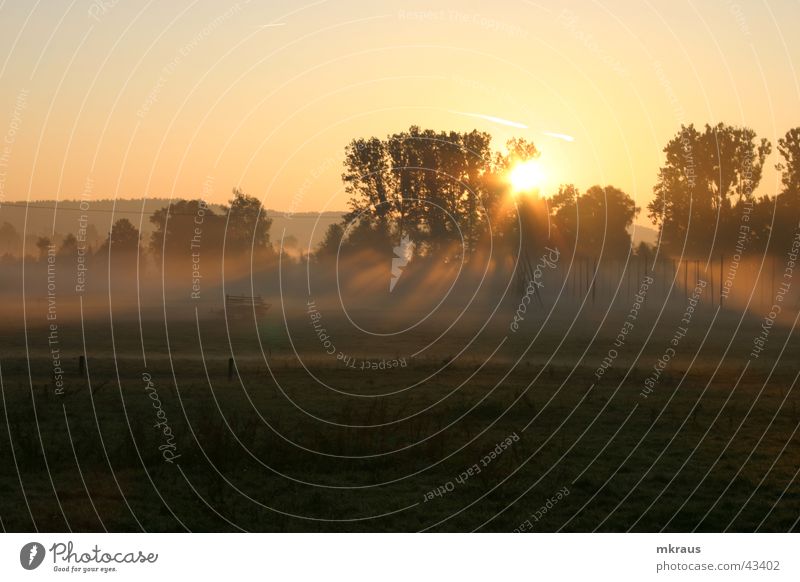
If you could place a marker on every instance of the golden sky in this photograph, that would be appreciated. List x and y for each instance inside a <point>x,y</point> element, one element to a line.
<point>123,98</point>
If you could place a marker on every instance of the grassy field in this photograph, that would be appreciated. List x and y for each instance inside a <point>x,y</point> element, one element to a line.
<point>302,440</point>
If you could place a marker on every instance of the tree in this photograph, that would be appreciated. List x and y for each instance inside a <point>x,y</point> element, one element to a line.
<point>9,238</point>
<point>369,181</point>
<point>185,227</point>
<point>787,202</point>
<point>527,216</point>
<point>69,246</point>
<point>519,150</point>
<point>123,240</point>
<point>476,195</point>
<point>248,224</point>
<point>564,212</point>
<point>764,234</point>
<point>606,213</point>
<point>42,244</point>
<point>367,236</point>
<point>427,185</point>
<point>704,175</point>
<point>789,148</point>
<point>595,221</point>
<point>329,246</point>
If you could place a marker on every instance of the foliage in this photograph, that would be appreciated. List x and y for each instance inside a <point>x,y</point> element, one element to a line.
<point>705,174</point>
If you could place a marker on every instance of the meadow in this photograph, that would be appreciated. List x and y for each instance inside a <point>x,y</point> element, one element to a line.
<point>459,427</point>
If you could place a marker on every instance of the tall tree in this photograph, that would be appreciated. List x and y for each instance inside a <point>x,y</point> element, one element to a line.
<point>507,217</point>
<point>789,149</point>
<point>475,196</point>
<point>704,175</point>
<point>564,210</point>
<point>425,184</point>
<point>248,224</point>
<point>368,180</point>
<point>787,202</point>
<point>329,246</point>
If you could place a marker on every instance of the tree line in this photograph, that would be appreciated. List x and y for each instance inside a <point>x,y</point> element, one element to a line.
<point>448,192</point>
<point>179,230</point>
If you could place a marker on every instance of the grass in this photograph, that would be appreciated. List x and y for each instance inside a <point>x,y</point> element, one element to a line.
<point>274,449</point>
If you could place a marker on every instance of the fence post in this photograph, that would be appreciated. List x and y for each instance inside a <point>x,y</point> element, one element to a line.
<point>712,280</point>
<point>686,278</point>
<point>772,281</point>
<point>674,279</point>
<point>628,277</point>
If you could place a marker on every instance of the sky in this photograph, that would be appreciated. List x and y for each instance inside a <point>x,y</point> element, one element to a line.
<point>190,98</point>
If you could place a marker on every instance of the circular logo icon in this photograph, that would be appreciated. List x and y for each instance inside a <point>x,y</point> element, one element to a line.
<point>31,555</point>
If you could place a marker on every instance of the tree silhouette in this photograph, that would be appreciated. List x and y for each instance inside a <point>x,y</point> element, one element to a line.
<point>564,209</point>
<point>69,246</point>
<point>185,227</point>
<point>526,220</point>
<point>595,221</point>
<point>9,238</point>
<point>248,225</point>
<point>331,241</point>
<point>425,184</point>
<point>789,148</point>
<point>122,241</point>
<point>42,244</point>
<point>787,202</point>
<point>704,174</point>
<point>369,182</point>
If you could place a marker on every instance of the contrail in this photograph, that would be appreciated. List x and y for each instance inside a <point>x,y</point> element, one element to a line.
<point>563,136</point>
<point>270,25</point>
<point>492,118</point>
<point>510,123</point>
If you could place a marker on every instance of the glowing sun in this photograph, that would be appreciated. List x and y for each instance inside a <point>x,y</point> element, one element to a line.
<point>526,176</point>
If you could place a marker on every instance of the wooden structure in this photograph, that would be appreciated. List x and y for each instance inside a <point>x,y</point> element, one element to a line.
<point>245,306</point>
